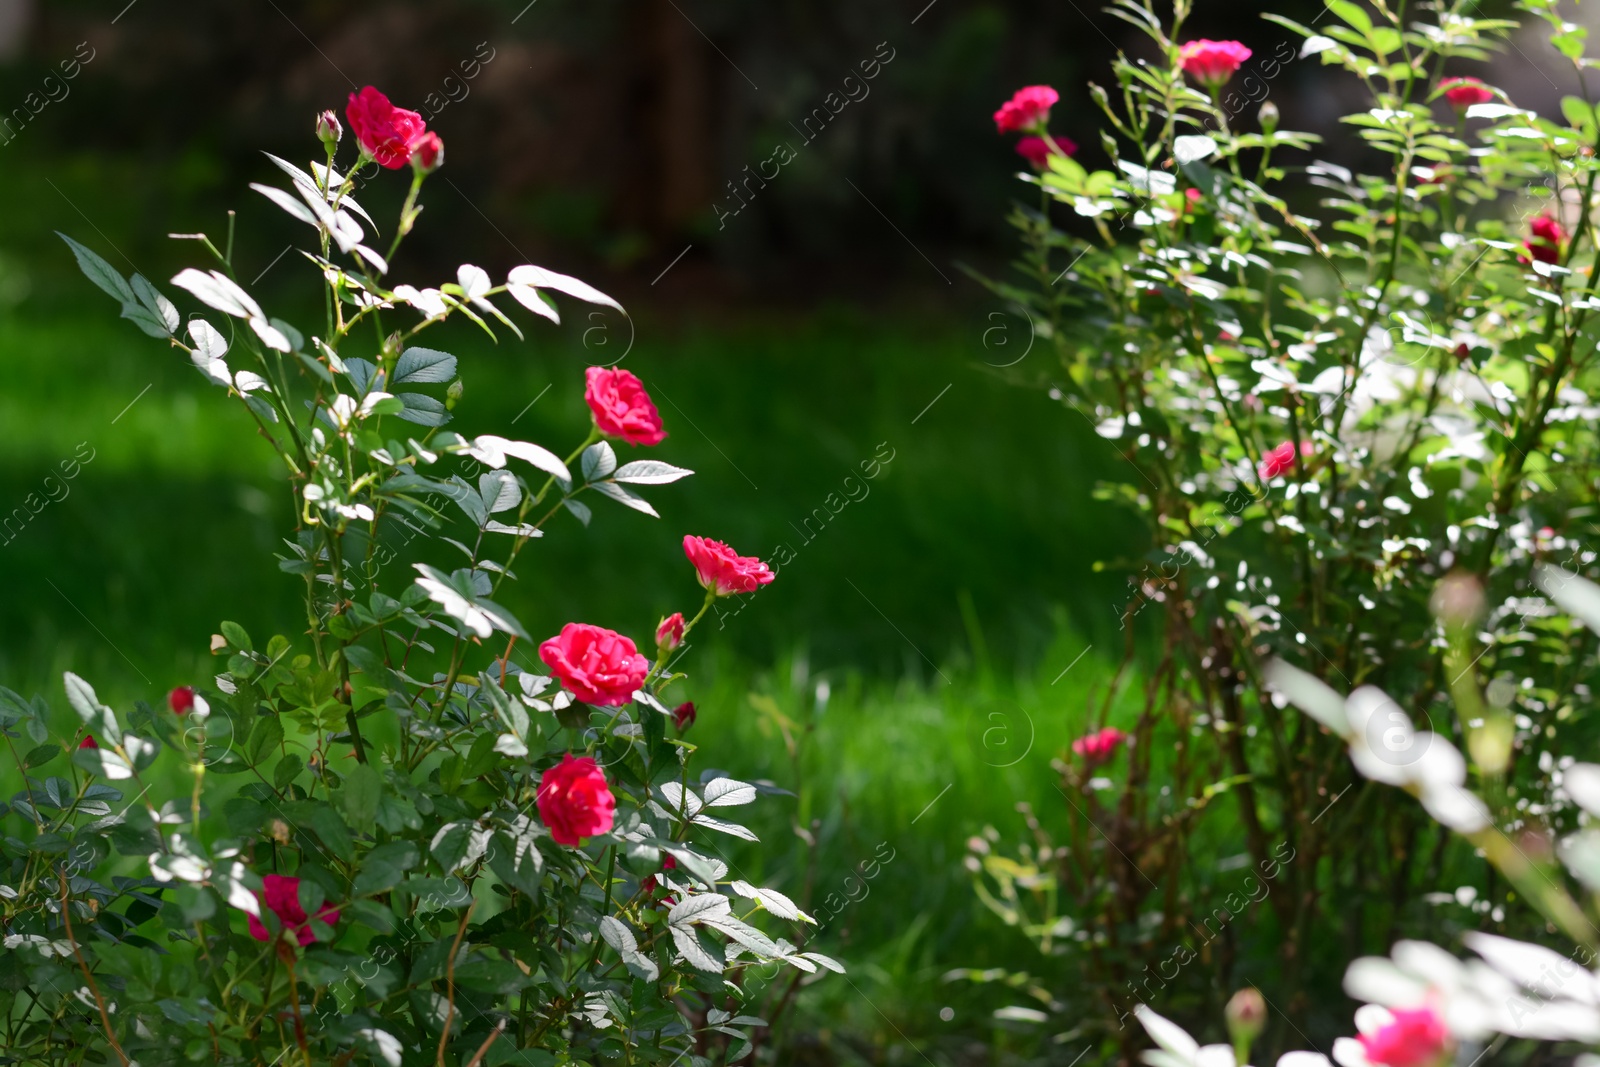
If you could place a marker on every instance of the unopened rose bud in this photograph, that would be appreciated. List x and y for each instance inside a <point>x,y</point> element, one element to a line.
<point>1247,1016</point>
<point>328,129</point>
<point>1268,116</point>
<point>683,715</point>
<point>88,742</point>
<point>1458,600</point>
<point>669,635</point>
<point>427,155</point>
<point>181,700</point>
<point>452,395</point>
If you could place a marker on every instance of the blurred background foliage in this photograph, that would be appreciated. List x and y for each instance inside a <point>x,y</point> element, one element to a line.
<point>908,676</point>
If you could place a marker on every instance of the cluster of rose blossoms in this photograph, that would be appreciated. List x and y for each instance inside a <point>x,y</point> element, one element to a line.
<point>1212,64</point>
<point>599,666</point>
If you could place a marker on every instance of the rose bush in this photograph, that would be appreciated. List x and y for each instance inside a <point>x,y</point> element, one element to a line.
<point>389,837</point>
<point>1331,391</point>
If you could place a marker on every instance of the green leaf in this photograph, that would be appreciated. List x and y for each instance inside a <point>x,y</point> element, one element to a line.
<point>266,736</point>
<point>319,816</point>
<point>598,460</point>
<point>423,410</point>
<point>359,798</point>
<point>163,310</point>
<point>236,636</point>
<point>100,272</point>
<point>421,366</point>
<point>649,472</point>
<point>37,757</point>
<point>288,770</point>
<point>459,844</point>
<point>96,716</point>
<point>383,867</point>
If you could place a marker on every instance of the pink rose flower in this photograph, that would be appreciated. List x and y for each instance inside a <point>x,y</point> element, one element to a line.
<point>1415,1038</point>
<point>1099,746</point>
<point>600,666</point>
<point>722,569</point>
<point>574,800</point>
<point>1548,237</point>
<point>181,700</point>
<point>1280,460</point>
<point>1212,63</point>
<point>280,893</point>
<point>1037,150</point>
<point>387,133</point>
<point>1028,109</point>
<point>1462,93</point>
<point>621,407</point>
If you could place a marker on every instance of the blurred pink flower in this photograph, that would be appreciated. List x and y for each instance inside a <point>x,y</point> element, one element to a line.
<point>1028,109</point>
<point>1037,150</point>
<point>1099,746</point>
<point>1280,460</point>
<point>1464,92</point>
<point>1415,1038</point>
<point>1212,63</point>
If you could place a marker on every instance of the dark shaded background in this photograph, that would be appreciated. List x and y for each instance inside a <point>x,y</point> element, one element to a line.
<point>606,129</point>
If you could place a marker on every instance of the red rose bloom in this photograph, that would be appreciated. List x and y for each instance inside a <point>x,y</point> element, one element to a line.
<point>1462,93</point>
<point>683,715</point>
<point>281,895</point>
<point>669,635</point>
<point>88,742</point>
<point>621,407</point>
<point>1548,237</point>
<point>427,155</point>
<point>600,666</point>
<point>1037,150</point>
<point>1415,1037</point>
<point>387,133</point>
<point>181,700</point>
<point>1099,746</point>
<point>722,569</point>
<point>1028,109</point>
<point>1212,63</point>
<point>1281,459</point>
<point>574,800</point>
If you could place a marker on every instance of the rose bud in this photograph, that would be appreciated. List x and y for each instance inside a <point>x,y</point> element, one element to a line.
<point>669,635</point>
<point>427,154</point>
<point>329,130</point>
<point>181,700</point>
<point>88,742</point>
<point>1268,116</point>
<point>1247,1016</point>
<point>1458,600</point>
<point>684,715</point>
